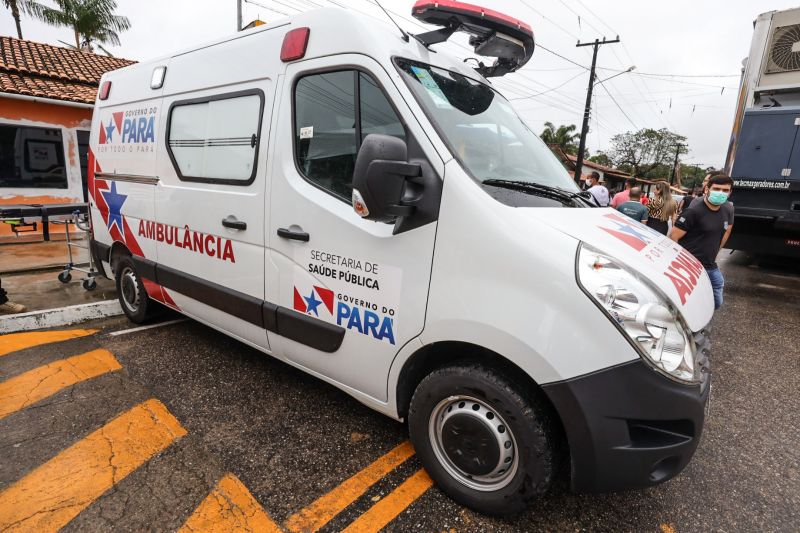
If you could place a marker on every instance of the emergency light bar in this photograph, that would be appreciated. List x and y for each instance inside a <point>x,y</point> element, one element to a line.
<point>491,33</point>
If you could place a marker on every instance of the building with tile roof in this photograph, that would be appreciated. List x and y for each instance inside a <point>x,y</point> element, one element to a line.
<point>52,72</point>
<point>47,94</point>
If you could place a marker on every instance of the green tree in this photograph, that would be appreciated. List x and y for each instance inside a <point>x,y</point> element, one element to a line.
<point>90,20</point>
<point>563,136</point>
<point>22,7</point>
<point>693,175</point>
<point>647,153</point>
<point>601,158</point>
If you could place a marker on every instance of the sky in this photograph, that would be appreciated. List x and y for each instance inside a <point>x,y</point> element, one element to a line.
<point>687,56</point>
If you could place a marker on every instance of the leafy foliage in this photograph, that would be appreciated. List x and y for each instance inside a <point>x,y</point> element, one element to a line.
<point>645,153</point>
<point>601,158</point>
<point>91,20</point>
<point>22,7</point>
<point>563,136</point>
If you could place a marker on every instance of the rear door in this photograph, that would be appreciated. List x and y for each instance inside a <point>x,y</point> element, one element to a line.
<point>211,196</point>
<point>334,268</point>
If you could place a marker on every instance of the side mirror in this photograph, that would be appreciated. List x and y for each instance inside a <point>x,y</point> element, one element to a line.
<point>379,178</point>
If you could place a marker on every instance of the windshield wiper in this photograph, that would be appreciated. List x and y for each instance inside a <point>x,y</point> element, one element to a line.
<point>536,188</point>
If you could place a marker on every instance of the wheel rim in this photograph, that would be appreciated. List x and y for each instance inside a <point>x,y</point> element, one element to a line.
<point>129,289</point>
<point>473,443</point>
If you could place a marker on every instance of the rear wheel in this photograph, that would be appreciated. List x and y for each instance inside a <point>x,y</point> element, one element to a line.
<point>132,295</point>
<point>485,443</point>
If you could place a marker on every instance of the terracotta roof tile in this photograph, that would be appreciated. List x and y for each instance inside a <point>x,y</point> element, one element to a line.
<point>47,71</point>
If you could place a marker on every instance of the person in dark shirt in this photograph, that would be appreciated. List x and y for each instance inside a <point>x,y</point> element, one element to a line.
<point>633,207</point>
<point>704,228</point>
<point>686,201</point>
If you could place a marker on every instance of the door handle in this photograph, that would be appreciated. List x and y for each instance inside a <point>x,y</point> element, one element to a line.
<point>231,222</point>
<point>294,235</point>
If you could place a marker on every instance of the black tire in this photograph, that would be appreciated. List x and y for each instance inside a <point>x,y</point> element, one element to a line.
<point>65,276</point>
<point>133,299</point>
<point>445,432</point>
<point>89,284</point>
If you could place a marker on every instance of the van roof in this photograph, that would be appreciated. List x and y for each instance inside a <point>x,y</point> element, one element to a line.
<point>335,31</point>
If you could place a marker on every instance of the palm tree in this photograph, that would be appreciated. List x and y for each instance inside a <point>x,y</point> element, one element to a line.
<point>563,136</point>
<point>18,7</point>
<point>90,20</point>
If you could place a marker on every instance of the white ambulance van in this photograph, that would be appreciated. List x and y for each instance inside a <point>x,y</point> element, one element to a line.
<point>350,200</point>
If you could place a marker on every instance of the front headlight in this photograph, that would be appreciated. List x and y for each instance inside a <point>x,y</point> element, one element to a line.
<point>642,312</point>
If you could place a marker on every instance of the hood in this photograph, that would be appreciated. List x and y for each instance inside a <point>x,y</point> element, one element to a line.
<point>676,272</point>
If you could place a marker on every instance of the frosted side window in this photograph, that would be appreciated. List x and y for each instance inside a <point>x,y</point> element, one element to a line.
<point>216,139</point>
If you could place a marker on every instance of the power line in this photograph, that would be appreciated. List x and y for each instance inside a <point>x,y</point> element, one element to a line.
<point>543,47</point>
<point>554,23</point>
<point>680,75</point>
<point>598,30</point>
<point>548,90</point>
<point>669,80</point>
<point>659,116</point>
<point>618,106</point>
<point>267,7</point>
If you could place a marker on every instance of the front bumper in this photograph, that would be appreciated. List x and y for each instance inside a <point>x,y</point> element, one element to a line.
<point>630,426</point>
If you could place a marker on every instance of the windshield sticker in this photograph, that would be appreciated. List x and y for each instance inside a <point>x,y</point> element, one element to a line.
<point>359,295</point>
<point>307,132</point>
<point>429,83</point>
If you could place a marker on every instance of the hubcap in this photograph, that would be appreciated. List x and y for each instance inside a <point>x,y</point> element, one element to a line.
<point>473,443</point>
<point>129,289</point>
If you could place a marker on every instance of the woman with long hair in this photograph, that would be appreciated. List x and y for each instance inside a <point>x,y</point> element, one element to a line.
<point>661,208</point>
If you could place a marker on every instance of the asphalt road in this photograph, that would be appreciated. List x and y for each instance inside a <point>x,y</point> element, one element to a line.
<point>294,452</point>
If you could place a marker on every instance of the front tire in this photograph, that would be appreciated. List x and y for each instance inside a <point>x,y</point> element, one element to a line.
<point>133,299</point>
<point>486,444</point>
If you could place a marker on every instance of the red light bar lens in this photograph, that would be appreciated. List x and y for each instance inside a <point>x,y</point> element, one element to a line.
<point>471,9</point>
<point>105,89</point>
<point>294,44</point>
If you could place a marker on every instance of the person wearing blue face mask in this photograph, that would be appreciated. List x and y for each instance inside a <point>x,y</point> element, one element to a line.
<point>704,227</point>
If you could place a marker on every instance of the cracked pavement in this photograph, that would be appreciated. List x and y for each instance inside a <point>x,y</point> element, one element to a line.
<point>290,439</point>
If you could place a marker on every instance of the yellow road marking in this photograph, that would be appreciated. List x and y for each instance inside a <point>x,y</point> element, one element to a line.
<point>392,505</point>
<point>51,495</point>
<point>328,506</point>
<point>229,507</point>
<point>39,383</point>
<point>12,342</point>
<point>668,528</point>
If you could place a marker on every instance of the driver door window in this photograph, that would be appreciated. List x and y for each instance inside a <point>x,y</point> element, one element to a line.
<point>333,112</point>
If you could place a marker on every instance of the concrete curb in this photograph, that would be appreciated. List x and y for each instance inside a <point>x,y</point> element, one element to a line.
<point>62,316</point>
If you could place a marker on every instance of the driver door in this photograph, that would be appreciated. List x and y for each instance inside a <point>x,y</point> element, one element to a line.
<point>333,267</point>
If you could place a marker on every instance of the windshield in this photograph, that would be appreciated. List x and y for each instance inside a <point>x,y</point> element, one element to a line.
<point>489,139</point>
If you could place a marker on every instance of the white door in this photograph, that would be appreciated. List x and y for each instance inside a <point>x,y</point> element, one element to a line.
<point>210,205</point>
<point>350,273</point>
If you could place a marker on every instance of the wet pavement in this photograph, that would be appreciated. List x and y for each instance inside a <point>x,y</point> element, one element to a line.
<point>41,290</point>
<point>180,426</point>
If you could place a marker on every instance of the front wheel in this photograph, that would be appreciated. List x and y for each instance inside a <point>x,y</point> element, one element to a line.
<point>484,443</point>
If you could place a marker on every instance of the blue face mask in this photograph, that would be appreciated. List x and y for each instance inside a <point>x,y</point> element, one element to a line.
<point>717,197</point>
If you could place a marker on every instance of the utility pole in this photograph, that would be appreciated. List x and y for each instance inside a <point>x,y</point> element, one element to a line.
<point>585,129</point>
<point>678,147</point>
<point>238,15</point>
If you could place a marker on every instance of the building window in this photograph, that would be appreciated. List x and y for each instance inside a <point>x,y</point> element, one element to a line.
<point>329,126</point>
<point>32,158</point>
<point>216,139</point>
